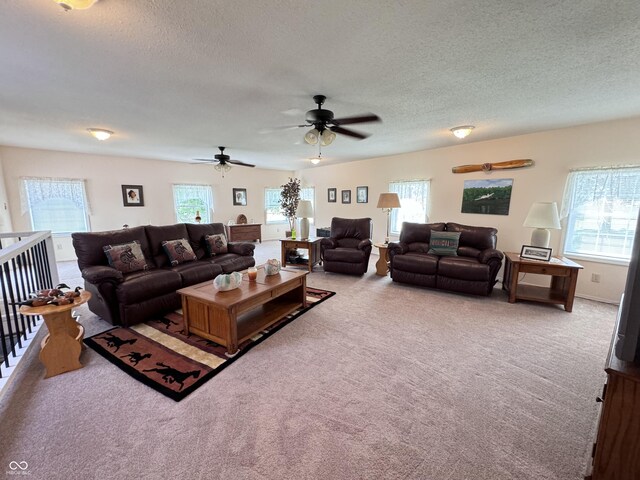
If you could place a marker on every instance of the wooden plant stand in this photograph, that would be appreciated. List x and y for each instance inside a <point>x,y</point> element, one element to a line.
<point>60,349</point>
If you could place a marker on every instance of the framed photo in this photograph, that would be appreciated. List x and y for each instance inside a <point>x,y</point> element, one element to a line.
<point>346,196</point>
<point>132,196</point>
<point>240,196</point>
<point>490,197</point>
<point>332,195</point>
<point>535,253</point>
<point>362,194</point>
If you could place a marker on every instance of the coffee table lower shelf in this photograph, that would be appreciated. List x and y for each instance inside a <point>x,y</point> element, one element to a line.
<point>248,324</point>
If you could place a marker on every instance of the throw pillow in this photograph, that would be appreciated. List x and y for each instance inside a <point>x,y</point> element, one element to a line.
<point>126,257</point>
<point>444,243</point>
<point>178,251</point>
<point>216,244</point>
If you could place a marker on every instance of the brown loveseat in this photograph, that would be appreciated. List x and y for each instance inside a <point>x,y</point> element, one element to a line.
<point>130,298</point>
<point>348,248</point>
<point>471,269</point>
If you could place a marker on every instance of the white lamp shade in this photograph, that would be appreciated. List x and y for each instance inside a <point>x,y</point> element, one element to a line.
<point>75,4</point>
<point>543,215</point>
<point>305,209</point>
<point>327,137</point>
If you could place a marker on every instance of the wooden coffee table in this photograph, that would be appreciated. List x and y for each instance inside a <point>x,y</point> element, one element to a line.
<point>229,318</point>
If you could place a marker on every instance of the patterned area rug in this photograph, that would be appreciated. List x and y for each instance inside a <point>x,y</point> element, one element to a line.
<point>158,354</point>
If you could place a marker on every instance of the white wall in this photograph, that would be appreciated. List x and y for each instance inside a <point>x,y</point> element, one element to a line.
<point>5,215</point>
<point>105,175</point>
<point>554,153</point>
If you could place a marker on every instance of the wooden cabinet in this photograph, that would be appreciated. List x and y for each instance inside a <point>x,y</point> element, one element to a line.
<point>617,447</point>
<point>248,232</point>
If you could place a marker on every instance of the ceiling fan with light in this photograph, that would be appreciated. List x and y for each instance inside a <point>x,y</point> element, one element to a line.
<point>325,126</point>
<point>223,161</point>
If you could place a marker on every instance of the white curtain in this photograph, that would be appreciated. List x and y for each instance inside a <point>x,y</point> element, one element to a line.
<point>414,198</point>
<point>189,199</point>
<point>37,189</point>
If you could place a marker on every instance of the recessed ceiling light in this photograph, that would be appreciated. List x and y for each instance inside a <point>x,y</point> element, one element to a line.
<point>100,133</point>
<point>462,131</point>
<point>75,4</point>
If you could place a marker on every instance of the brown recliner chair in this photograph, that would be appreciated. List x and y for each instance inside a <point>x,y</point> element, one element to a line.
<point>348,248</point>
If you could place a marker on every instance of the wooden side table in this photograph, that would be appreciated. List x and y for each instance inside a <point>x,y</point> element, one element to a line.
<point>563,273</point>
<point>382,265</point>
<point>60,350</point>
<point>312,245</point>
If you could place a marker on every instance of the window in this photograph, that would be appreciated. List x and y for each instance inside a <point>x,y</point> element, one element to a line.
<point>601,208</point>
<point>57,204</point>
<point>189,200</point>
<point>414,198</point>
<point>272,210</point>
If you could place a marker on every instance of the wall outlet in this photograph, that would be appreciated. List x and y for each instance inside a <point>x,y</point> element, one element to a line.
<point>59,246</point>
<point>595,277</point>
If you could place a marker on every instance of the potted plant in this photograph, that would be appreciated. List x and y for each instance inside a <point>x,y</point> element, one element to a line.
<point>289,198</point>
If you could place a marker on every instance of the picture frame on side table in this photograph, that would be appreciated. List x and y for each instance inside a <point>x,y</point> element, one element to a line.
<point>346,196</point>
<point>240,196</point>
<point>529,252</point>
<point>362,194</point>
<point>132,196</point>
<point>332,194</point>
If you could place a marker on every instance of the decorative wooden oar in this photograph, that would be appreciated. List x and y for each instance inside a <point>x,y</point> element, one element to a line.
<point>487,167</point>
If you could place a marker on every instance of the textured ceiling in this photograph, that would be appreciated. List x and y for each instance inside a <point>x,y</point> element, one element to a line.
<point>174,79</point>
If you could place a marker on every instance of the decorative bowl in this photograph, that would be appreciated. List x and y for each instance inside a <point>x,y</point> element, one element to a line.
<point>226,282</point>
<point>272,267</point>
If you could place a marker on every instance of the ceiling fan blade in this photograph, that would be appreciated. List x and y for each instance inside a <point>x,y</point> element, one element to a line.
<point>364,118</point>
<point>349,133</point>
<point>238,162</point>
<point>208,160</point>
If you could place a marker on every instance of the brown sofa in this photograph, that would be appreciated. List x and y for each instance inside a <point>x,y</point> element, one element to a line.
<point>130,298</point>
<point>348,248</point>
<point>472,270</point>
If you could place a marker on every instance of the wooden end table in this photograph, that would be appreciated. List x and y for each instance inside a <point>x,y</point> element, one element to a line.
<point>563,273</point>
<point>312,245</point>
<point>60,350</point>
<point>382,265</point>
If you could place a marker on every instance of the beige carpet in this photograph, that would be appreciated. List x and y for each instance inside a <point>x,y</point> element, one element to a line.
<point>384,381</point>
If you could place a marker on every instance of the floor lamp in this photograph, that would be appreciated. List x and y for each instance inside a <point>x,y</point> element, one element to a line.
<point>387,202</point>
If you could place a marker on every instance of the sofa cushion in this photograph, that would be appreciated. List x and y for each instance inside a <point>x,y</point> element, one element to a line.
<point>419,232</point>
<point>126,257</point>
<point>476,237</point>
<point>444,243</point>
<point>88,245</point>
<point>464,268</point>
<point>143,285</point>
<point>197,272</point>
<point>347,255</point>
<point>197,232</point>
<point>178,251</point>
<point>156,235</point>
<point>413,262</point>
<point>216,244</point>
<point>230,262</point>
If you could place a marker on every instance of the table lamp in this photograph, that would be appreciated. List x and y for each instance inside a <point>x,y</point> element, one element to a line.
<point>387,202</point>
<point>542,216</point>
<point>303,212</point>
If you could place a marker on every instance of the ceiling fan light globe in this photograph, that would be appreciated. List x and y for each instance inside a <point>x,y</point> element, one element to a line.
<point>327,137</point>
<point>311,137</point>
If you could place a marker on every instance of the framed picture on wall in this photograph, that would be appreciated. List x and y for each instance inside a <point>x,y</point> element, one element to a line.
<point>346,196</point>
<point>362,194</point>
<point>132,196</point>
<point>332,193</point>
<point>240,196</point>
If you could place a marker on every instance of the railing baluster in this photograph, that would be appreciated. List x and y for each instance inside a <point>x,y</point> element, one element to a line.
<point>24,290</point>
<point>18,296</point>
<point>5,301</point>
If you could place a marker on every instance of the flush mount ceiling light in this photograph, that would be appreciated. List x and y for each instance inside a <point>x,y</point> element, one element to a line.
<point>100,133</point>
<point>75,4</point>
<point>315,160</point>
<point>462,131</point>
